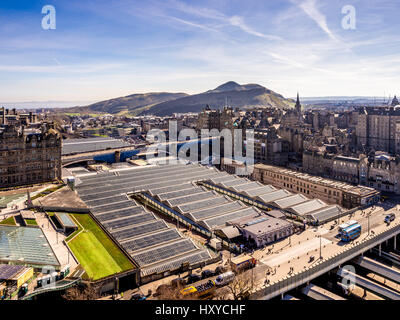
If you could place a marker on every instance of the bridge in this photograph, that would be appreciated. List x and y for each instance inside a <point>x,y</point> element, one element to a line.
<point>120,154</point>
<point>317,293</point>
<point>336,259</point>
<point>59,286</point>
<point>370,285</point>
<point>91,156</point>
<point>378,268</point>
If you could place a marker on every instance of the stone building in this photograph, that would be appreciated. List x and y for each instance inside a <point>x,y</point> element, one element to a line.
<point>15,118</point>
<point>270,148</point>
<point>29,156</point>
<point>330,191</point>
<point>379,129</point>
<point>215,119</point>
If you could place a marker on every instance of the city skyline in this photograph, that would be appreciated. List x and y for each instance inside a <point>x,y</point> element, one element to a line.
<point>101,50</point>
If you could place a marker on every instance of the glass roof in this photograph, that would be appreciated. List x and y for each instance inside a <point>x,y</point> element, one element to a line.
<point>25,245</point>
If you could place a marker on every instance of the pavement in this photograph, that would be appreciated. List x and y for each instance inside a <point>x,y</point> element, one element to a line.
<point>18,200</point>
<point>293,255</point>
<point>56,240</point>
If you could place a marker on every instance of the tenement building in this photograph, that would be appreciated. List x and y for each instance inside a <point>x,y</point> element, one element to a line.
<point>13,117</point>
<point>379,129</point>
<point>330,191</point>
<point>29,156</point>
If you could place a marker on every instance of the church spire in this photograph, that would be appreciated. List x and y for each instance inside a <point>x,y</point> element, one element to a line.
<point>395,102</point>
<point>298,105</point>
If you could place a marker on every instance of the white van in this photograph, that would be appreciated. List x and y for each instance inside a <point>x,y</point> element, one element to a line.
<point>224,278</point>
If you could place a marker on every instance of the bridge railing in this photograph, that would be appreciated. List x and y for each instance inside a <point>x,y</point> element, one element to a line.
<point>50,289</point>
<point>290,282</point>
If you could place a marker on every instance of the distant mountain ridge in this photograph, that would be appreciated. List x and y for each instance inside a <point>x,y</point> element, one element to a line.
<point>230,93</point>
<point>134,103</point>
<point>164,104</point>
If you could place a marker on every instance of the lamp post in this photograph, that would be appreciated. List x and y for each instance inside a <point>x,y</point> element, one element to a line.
<point>320,247</point>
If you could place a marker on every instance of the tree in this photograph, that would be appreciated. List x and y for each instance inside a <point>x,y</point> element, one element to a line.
<point>89,291</point>
<point>239,289</point>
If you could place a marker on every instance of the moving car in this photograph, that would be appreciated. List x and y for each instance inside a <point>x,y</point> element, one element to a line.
<point>390,217</point>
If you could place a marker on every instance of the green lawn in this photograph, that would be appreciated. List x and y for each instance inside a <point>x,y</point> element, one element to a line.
<point>9,221</point>
<point>31,222</point>
<point>97,254</point>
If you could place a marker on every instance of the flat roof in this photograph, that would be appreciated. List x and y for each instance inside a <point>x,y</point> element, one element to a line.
<point>65,220</point>
<point>265,226</point>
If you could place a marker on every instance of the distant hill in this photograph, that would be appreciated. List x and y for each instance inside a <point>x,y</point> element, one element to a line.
<point>231,93</point>
<point>164,104</point>
<point>132,104</point>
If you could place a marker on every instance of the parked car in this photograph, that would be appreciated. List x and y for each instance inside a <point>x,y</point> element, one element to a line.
<point>225,278</point>
<point>138,296</point>
<point>219,270</point>
<point>207,274</point>
<point>193,278</point>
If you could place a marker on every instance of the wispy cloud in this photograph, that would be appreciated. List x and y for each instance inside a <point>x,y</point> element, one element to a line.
<point>234,21</point>
<point>238,21</point>
<point>192,24</point>
<point>310,8</point>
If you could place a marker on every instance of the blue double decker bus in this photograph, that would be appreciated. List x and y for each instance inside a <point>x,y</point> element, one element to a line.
<point>350,233</point>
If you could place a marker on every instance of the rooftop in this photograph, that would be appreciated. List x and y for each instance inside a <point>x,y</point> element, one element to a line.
<point>25,245</point>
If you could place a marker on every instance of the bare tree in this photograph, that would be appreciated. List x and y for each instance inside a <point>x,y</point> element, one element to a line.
<point>239,289</point>
<point>82,292</point>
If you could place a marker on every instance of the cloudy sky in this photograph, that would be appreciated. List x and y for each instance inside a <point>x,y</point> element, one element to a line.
<point>103,49</point>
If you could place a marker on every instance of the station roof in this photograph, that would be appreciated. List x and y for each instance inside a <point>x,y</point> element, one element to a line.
<point>74,146</point>
<point>25,245</point>
<point>290,201</point>
<point>326,213</point>
<point>308,207</point>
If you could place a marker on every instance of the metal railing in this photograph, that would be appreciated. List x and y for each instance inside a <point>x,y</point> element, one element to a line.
<point>288,283</point>
<point>67,285</point>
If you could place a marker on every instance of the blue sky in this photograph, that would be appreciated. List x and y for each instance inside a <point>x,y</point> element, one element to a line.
<point>103,49</point>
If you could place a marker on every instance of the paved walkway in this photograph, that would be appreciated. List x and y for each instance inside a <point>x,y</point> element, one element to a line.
<point>56,241</point>
<point>330,245</point>
<point>295,251</point>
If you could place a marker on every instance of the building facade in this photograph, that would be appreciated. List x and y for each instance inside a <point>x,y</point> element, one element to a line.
<point>330,191</point>
<point>29,156</point>
<point>378,129</point>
